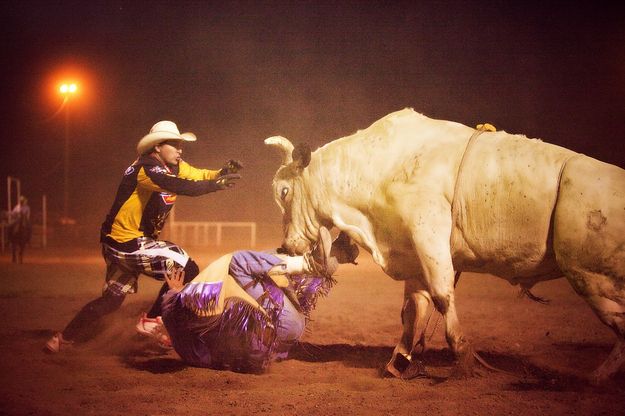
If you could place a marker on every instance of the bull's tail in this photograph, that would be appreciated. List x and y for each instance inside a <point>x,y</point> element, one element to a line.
<point>486,365</point>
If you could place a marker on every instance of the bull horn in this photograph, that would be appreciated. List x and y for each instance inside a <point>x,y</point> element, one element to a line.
<point>283,145</point>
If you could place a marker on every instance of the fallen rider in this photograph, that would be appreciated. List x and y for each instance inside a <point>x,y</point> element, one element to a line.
<point>247,308</point>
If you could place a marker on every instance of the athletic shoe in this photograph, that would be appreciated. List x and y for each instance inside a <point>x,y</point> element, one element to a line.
<point>154,328</point>
<point>57,343</point>
<point>146,325</point>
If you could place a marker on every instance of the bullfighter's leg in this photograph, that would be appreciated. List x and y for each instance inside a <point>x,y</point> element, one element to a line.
<point>414,316</point>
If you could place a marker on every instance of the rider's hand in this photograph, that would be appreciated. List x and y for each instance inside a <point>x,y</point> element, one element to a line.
<point>175,279</point>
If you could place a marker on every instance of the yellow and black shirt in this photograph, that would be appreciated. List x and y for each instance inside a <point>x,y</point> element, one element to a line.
<point>147,194</point>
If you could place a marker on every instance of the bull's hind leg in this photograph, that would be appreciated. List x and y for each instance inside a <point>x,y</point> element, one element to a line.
<point>607,300</point>
<point>611,365</point>
<point>597,291</point>
<point>414,316</point>
<point>589,243</point>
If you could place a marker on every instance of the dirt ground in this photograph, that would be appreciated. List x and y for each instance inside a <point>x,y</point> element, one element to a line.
<point>336,370</point>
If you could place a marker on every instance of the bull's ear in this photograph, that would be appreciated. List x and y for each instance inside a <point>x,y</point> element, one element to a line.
<point>301,155</point>
<point>283,145</point>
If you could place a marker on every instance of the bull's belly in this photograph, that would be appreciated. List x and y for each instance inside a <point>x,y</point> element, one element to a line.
<point>515,269</point>
<point>402,264</point>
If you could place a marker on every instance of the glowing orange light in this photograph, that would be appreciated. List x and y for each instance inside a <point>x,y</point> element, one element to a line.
<point>68,88</point>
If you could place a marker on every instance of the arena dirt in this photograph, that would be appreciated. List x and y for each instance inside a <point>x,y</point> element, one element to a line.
<point>336,370</point>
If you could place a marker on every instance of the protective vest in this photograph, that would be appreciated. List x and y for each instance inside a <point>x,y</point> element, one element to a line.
<point>147,194</point>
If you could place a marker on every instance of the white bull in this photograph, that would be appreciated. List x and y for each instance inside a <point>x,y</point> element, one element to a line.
<point>428,198</point>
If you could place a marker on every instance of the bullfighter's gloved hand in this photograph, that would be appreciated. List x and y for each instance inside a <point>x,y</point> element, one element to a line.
<point>227,181</point>
<point>231,166</point>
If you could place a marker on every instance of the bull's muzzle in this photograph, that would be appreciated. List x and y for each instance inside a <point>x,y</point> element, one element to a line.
<point>296,246</point>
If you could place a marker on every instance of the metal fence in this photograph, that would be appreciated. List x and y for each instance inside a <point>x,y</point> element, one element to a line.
<point>205,233</point>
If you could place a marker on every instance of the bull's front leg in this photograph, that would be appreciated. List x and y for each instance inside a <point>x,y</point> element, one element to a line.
<point>405,361</point>
<point>462,349</point>
<point>430,234</point>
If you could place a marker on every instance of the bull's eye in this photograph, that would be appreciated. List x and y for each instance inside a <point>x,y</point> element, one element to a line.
<point>284,193</point>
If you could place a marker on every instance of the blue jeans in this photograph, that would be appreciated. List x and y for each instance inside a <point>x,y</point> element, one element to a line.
<point>249,269</point>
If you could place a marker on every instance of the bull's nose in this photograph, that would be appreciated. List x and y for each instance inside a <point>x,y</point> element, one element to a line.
<point>282,249</point>
<point>294,247</point>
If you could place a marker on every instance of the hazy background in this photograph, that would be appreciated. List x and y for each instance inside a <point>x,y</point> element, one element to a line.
<point>235,73</point>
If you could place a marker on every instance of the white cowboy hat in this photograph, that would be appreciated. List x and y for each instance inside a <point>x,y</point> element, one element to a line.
<point>160,132</point>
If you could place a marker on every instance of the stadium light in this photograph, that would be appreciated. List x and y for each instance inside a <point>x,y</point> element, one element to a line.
<point>67,89</point>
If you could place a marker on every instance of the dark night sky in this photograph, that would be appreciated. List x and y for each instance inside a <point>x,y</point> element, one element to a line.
<point>237,72</point>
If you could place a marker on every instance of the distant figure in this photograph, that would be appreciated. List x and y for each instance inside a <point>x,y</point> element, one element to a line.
<point>20,229</point>
<point>129,234</point>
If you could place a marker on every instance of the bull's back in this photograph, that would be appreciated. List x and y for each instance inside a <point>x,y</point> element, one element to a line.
<point>403,147</point>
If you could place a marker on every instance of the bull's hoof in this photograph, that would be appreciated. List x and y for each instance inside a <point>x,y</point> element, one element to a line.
<point>416,369</point>
<point>465,365</point>
<point>404,368</point>
<point>397,364</point>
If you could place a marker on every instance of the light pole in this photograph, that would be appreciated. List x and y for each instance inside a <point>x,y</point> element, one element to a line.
<point>66,89</point>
